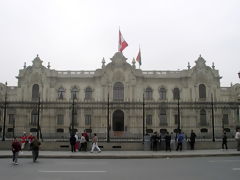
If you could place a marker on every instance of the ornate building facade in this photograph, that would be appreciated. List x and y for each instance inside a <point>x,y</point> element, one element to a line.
<point>119,100</point>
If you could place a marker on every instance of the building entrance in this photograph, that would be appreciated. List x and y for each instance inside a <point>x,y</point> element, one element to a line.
<point>118,120</point>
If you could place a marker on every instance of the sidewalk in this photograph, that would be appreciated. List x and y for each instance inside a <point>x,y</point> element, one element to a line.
<point>125,154</point>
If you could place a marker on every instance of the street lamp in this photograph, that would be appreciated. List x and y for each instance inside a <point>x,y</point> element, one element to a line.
<point>239,74</point>
<point>38,117</point>
<point>5,113</point>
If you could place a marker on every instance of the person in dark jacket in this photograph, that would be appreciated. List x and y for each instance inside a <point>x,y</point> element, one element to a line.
<point>224,140</point>
<point>72,142</point>
<point>16,147</point>
<point>154,141</point>
<point>35,144</point>
<point>168,141</point>
<point>192,140</point>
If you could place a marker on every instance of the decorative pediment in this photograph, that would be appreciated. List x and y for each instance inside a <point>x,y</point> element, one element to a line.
<point>37,62</point>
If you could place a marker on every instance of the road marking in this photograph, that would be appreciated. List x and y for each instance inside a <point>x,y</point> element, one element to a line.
<point>42,171</point>
<point>236,169</point>
<point>223,161</point>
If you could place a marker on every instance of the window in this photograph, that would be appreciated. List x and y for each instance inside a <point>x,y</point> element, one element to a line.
<point>74,92</point>
<point>87,119</point>
<point>162,93</point>
<point>203,118</point>
<point>61,92</point>
<point>202,91</point>
<point>34,117</point>
<point>225,119</point>
<point>88,93</point>
<point>60,130</point>
<point>149,119</point>
<point>35,92</point>
<point>118,91</point>
<point>149,94</point>
<point>163,117</point>
<point>11,118</point>
<point>176,94</point>
<point>60,119</point>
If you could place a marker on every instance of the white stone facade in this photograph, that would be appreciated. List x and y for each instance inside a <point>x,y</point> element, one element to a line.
<point>192,94</point>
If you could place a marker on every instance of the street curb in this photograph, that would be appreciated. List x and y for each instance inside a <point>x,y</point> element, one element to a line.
<point>97,156</point>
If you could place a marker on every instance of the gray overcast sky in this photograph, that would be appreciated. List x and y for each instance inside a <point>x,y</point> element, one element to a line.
<point>77,34</point>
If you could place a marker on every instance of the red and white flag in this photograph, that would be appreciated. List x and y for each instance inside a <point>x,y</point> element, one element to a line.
<point>122,44</point>
<point>139,58</point>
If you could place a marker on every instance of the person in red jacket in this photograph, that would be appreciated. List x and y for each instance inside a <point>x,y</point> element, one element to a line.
<point>16,147</point>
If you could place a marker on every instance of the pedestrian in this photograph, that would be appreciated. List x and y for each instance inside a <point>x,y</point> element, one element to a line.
<point>192,140</point>
<point>29,140</point>
<point>72,142</point>
<point>168,141</point>
<point>35,148</point>
<point>77,144</point>
<point>85,134</point>
<point>16,147</point>
<point>154,141</point>
<point>224,140</point>
<point>23,140</point>
<point>83,142</point>
<point>95,143</point>
<point>237,138</point>
<point>180,139</point>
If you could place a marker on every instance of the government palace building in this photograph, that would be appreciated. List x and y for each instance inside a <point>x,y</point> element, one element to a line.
<point>119,100</point>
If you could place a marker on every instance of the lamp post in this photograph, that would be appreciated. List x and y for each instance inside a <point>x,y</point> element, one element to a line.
<point>72,127</point>
<point>239,74</point>
<point>5,114</point>
<point>38,117</point>
<point>178,108</point>
<point>108,138</point>
<point>143,118</point>
<point>213,135</point>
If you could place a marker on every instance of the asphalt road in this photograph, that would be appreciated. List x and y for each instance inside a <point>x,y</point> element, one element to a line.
<point>204,168</point>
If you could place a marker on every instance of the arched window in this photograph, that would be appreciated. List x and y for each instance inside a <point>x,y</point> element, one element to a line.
<point>35,92</point>
<point>203,117</point>
<point>202,91</point>
<point>149,94</point>
<point>34,117</point>
<point>163,117</point>
<point>162,93</point>
<point>61,92</point>
<point>74,92</point>
<point>176,93</point>
<point>118,91</point>
<point>88,93</point>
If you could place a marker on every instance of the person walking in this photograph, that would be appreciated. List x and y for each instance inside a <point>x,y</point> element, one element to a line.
<point>180,139</point>
<point>35,148</point>
<point>192,140</point>
<point>224,140</point>
<point>72,142</point>
<point>95,143</point>
<point>168,141</point>
<point>237,138</point>
<point>16,147</point>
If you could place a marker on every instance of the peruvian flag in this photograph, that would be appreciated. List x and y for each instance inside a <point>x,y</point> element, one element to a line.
<point>122,44</point>
<point>139,58</point>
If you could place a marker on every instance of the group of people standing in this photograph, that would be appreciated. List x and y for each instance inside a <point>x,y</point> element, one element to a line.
<point>81,143</point>
<point>18,146</point>
<point>170,139</point>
